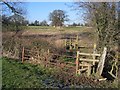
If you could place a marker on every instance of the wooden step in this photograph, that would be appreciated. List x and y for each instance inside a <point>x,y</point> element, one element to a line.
<point>89,60</point>
<point>89,54</point>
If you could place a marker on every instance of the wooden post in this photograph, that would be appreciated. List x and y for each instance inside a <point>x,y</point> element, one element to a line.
<point>94,51</point>
<point>101,62</point>
<point>76,43</point>
<point>23,52</point>
<point>89,70</point>
<point>77,62</point>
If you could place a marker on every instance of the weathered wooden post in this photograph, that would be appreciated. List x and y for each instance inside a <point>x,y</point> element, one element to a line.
<point>89,70</point>
<point>23,52</point>
<point>77,62</point>
<point>101,62</point>
<point>94,51</point>
<point>77,41</point>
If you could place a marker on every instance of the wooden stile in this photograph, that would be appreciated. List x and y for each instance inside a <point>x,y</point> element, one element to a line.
<point>88,63</point>
<point>73,44</point>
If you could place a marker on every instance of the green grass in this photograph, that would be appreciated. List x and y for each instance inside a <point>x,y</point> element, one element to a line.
<point>50,29</point>
<point>18,75</point>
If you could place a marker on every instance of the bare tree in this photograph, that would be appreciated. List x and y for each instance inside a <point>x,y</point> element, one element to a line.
<point>13,10</point>
<point>15,7</point>
<point>58,17</point>
<point>104,17</point>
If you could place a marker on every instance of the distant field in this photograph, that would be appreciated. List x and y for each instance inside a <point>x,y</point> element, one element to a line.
<point>53,30</point>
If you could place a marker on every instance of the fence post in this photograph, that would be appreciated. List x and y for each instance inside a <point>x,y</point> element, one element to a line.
<point>94,51</point>
<point>77,62</point>
<point>77,42</point>
<point>101,62</point>
<point>23,52</point>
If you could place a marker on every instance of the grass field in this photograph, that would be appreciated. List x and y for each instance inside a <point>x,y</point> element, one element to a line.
<point>53,30</point>
<point>18,75</point>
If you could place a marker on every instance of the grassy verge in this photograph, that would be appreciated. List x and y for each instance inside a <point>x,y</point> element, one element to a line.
<point>18,75</point>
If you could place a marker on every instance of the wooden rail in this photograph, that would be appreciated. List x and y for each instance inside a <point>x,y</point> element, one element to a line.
<point>89,54</point>
<point>89,60</point>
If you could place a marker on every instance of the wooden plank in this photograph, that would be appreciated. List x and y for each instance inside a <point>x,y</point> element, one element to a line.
<point>89,54</point>
<point>102,79</point>
<point>90,60</point>
<point>89,70</point>
<point>94,51</point>
<point>112,75</point>
<point>101,62</point>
